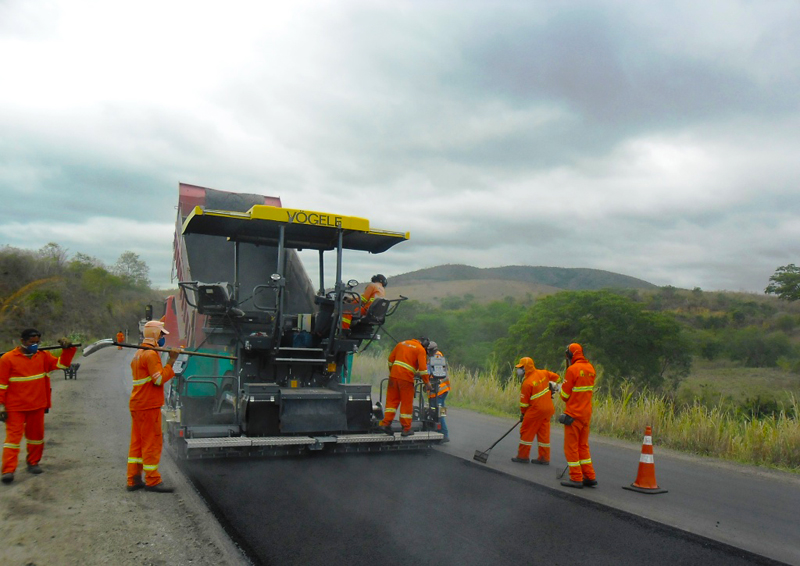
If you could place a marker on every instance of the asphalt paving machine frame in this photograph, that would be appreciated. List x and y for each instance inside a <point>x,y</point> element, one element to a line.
<point>289,390</point>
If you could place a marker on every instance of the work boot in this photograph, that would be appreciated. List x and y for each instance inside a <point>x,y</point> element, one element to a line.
<point>445,440</point>
<point>159,488</point>
<point>135,486</point>
<point>8,477</point>
<point>386,430</point>
<point>408,432</point>
<point>541,462</point>
<point>520,460</point>
<point>570,483</point>
<point>34,469</point>
<point>589,483</point>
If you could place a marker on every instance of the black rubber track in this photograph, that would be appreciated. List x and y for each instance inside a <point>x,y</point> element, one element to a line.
<point>428,509</point>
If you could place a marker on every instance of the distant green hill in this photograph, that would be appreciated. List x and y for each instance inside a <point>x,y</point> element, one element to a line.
<point>433,284</point>
<point>574,279</point>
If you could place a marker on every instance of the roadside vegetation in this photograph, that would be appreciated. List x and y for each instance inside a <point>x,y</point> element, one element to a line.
<point>73,296</point>
<point>714,373</point>
<point>721,348</point>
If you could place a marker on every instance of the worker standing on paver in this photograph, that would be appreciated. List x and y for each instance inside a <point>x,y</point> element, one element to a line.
<point>120,338</point>
<point>407,360</point>
<point>437,370</point>
<point>536,409</point>
<point>147,397</point>
<point>577,395</point>
<point>25,396</point>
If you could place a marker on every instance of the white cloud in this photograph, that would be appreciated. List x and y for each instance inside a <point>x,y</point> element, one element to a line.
<point>657,140</point>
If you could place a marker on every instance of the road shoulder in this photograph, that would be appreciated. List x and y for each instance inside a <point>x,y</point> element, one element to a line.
<point>78,511</point>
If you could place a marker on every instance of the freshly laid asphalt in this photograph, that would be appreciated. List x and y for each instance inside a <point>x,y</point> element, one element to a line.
<point>429,508</point>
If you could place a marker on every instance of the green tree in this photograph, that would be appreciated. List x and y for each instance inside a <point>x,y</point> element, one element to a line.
<point>754,348</point>
<point>632,344</point>
<point>132,270</point>
<point>785,283</point>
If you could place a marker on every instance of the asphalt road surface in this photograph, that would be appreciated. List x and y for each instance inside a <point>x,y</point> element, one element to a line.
<point>442,508</point>
<point>748,507</point>
<point>428,508</point>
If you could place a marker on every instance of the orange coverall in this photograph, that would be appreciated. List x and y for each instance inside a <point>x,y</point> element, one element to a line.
<point>147,397</point>
<point>26,393</point>
<point>536,404</point>
<point>407,359</point>
<point>120,338</point>
<point>577,395</point>
<point>372,292</point>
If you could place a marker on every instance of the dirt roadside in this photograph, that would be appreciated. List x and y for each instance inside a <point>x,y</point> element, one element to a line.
<point>78,511</point>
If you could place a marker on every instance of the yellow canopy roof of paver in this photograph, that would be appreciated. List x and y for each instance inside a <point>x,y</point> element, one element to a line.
<point>303,229</point>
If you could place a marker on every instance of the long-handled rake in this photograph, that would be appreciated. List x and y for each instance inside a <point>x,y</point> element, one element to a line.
<point>100,344</point>
<point>483,457</point>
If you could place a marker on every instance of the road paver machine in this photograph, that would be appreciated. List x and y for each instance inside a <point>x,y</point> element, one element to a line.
<point>283,383</point>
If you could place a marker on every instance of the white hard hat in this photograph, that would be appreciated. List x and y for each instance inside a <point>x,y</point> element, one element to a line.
<point>154,329</point>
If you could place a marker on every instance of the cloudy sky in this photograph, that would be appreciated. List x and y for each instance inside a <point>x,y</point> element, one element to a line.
<point>655,139</point>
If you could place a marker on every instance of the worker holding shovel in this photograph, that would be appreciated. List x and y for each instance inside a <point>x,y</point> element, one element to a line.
<point>536,409</point>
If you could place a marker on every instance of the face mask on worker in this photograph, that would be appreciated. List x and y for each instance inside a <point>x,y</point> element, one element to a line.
<point>520,372</point>
<point>161,342</point>
<point>32,348</point>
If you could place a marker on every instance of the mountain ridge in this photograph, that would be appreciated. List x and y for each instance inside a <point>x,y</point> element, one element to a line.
<point>433,284</point>
<point>566,278</point>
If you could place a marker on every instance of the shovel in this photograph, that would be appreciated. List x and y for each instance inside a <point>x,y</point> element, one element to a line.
<point>483,457</point>
<point>100,344</point>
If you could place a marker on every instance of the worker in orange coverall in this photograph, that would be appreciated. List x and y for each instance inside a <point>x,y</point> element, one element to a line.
<point>577,395</point>
<point>536,409</point>
<point>25,396</point>
<point>408,359</point>
<point>375,290</point>
<point>147,397</point>
<point>120,338</point>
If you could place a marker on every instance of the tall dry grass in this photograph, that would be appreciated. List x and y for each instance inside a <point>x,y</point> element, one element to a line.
<point>772,441</point>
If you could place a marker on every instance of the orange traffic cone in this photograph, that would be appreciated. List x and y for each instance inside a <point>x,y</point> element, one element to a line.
<point>646,478</point>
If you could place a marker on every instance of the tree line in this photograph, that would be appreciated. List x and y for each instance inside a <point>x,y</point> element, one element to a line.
<point>76,296</point>
<point>647,338</point>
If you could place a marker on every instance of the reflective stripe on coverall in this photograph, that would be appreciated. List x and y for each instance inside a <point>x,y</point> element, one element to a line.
<point>536,406</point>
<point>577,395</point>
<point>25,391</point>
<point>373,291</point>
<point>407,359</point>
<point>147,397</point>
